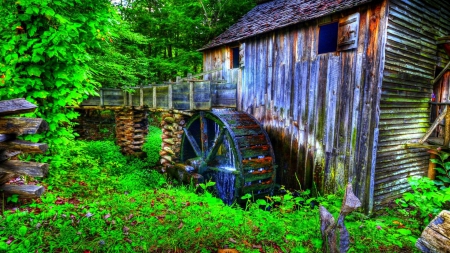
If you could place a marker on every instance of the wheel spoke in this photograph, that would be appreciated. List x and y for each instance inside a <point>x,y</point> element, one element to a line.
<point>217,142</point>
<point>204,134</point>
<point>193,143</point>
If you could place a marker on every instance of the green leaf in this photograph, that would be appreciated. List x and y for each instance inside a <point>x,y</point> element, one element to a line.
<point>444,155</point>
<point>32,30</point>
<point>34,71</point>
<point>23,231</point>
<point>3,246</point>
<point>49,12</point>
<point>444,179</point>
<point>403,231</point>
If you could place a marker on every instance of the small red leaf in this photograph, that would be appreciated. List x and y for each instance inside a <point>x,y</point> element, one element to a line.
<point>197,229</point>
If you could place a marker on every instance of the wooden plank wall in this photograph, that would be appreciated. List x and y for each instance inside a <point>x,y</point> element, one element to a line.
<point>411,57</point>
<point>319,110</point>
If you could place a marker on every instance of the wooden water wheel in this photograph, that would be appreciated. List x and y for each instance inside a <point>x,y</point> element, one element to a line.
<point>232,149</point>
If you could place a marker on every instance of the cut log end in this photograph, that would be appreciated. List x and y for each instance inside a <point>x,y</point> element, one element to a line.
<point>24,191</point>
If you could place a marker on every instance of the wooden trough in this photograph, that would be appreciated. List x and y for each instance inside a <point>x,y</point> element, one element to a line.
<point>10,147</point>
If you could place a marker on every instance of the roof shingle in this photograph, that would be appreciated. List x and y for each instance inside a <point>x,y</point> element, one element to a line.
<point>277,14</point>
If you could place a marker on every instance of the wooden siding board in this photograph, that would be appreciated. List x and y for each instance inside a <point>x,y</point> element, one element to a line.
<point>413,26</point>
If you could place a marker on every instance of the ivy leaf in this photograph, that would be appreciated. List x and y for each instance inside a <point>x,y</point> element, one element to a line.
<point>34,71</point>
<point>23,230</point>
<point>49,12</point>
<point>32,30</point>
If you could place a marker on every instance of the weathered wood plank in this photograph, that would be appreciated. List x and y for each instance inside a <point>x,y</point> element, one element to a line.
<point>24,146</point>
<point>436,236</point>
<point>24,191</point>
<point>24,168</point>
<point>21,126</point>
<point>16,106</point>
<point>7,154</point>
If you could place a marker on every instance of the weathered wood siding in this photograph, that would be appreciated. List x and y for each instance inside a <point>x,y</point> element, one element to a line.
<point>319,110</point>
<point>411,57</point>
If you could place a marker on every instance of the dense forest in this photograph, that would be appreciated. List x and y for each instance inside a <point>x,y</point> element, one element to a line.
<point>56,53</point>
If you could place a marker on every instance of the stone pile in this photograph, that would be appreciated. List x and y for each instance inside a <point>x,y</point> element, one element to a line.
<point>172,126</point>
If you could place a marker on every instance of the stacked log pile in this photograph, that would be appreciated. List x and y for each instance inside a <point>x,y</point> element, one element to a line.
<point>10,147</point>
<point>131,129</point>
<point>172,126</point>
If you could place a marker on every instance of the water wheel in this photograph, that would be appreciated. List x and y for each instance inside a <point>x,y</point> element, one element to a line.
<point>231,148</point>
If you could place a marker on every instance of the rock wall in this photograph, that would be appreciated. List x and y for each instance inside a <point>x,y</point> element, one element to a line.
<point>172,126</point>
<point>95,124</point>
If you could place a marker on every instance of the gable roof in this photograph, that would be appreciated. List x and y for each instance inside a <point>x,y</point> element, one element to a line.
<point>277,14</point>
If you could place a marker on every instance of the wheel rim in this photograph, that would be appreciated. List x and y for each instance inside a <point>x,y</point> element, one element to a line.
<point>234,150</point>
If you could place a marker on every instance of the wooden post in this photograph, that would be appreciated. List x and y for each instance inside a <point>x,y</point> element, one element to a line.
<point>101,98</point>
<point>191,95</point>
<point>130,99</point>
<point>447,129</point>
<point>124,98</point>
<point>178,79</point>
<point>154,97</point>
<point>141,92</point>
<point>431,166</point>
<point>169,96</point>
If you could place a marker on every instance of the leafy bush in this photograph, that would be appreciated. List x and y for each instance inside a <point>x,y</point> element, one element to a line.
<point>425,201</point>
<point>152,145</point>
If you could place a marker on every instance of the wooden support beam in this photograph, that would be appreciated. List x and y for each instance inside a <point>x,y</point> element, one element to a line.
<point>24,168</point>
<point>24,146</point>
<point>434,125</point>
<point>24,191</point>
<point>21,126</point>
<point>440,74</point>
<point>16,106</point>
<point>193,143</point>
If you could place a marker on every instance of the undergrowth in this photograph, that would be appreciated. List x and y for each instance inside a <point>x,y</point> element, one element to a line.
<point>98,200</point>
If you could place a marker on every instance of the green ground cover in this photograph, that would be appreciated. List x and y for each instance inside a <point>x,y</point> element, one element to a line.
<point>98,200</point>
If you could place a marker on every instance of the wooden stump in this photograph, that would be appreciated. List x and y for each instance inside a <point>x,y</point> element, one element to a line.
<point>436,236</point>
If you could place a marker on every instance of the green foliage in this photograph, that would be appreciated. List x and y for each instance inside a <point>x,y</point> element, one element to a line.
<point>43,56</point>
<point>152,145</point>
<point>425,201</point>
<point>443,168</point>
<point>176,29</point>
<point>100,201</point>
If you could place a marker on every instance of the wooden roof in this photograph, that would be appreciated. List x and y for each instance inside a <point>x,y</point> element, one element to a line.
<point>276,14</point>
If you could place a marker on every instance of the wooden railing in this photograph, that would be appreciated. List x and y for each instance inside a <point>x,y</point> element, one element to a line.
<point>183,95</point>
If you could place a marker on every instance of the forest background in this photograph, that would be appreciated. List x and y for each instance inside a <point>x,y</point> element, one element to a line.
<point>55,53</point>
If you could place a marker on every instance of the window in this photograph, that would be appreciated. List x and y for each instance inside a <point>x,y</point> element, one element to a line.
<point>328,37</point>
<point>234,57</point>
<point>339,36</point>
